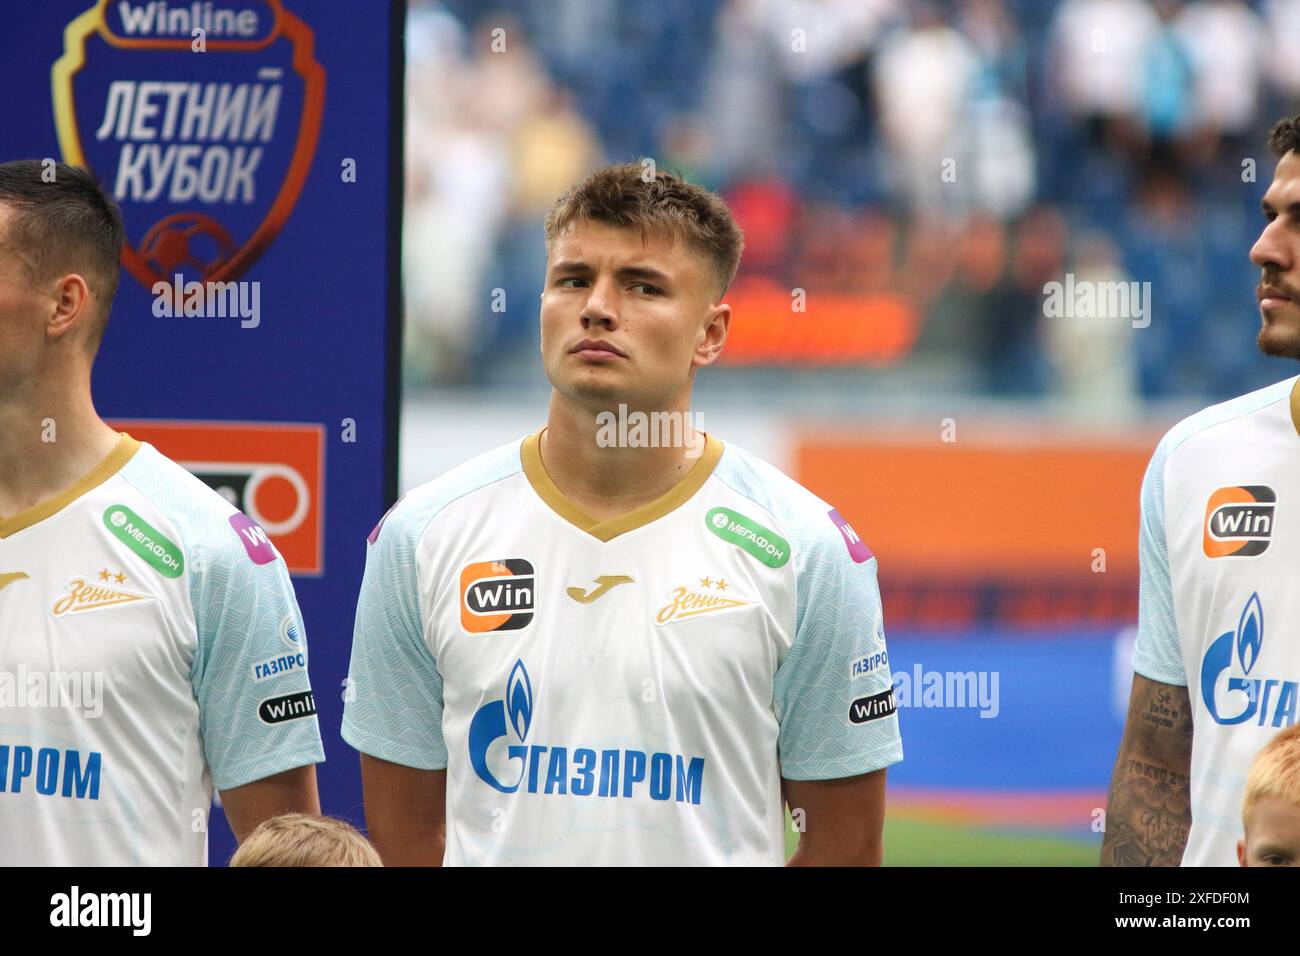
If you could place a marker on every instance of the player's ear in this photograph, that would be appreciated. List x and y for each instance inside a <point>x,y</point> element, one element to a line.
<point>1241,853</point>
<point>70,297</point>
<point>713,337</point>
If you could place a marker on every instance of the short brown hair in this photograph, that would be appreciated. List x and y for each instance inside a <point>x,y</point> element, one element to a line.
<point>1284,137</point>
<point>305,839</point>
<point>1275,773</point>
<point>64,223</point>
<point>624,195</point>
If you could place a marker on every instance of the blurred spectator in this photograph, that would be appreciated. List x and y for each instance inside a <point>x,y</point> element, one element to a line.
<point>455,178</point>
<point>961,306</point>
<point>1163,246</point>
<point>1167,86</point>
<point>838,252</point>
<point>1091,350</point>
<point>1282,24</point>
<point>1098,50</point>
<point>1013,356</point>
<point>455,206</point>
<point>550,150</point>
<point>819,38</point>
<point>923,80</point>
<point>1228,49</point>
<point>825,49</point>
<point>743,96</point>
<point>765,210</point>
<point>1001,154</point>
<point>686,148</point>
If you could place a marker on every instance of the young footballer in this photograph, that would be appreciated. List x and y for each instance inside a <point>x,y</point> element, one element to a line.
<point>589,647</point>
<point>135,603</point>
<point>1217,668</point>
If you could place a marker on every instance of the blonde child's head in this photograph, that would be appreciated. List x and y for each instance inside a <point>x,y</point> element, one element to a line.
<point>305,839</point>
<point>1271,809</point>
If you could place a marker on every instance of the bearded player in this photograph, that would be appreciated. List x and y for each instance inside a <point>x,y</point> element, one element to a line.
<point>150,643</point>
<point>581,650</point>
<point>1217,664</point>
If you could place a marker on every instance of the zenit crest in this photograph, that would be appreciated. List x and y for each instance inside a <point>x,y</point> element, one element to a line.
<point>202,118</point>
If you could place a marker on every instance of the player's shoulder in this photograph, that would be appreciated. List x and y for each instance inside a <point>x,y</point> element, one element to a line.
<point>215,537</point>
<point>408,519</point>
<point>1216,428</point>
<point>812,524</point>
<point>203,518</point>
<point>766,485</point>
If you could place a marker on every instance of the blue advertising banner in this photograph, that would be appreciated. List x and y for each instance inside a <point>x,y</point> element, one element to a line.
<point>255,149</point>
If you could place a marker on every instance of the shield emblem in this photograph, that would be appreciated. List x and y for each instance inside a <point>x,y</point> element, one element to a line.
<point>201,119</point>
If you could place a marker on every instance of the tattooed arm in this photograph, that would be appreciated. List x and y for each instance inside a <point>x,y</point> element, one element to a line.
<point>1149,810</point>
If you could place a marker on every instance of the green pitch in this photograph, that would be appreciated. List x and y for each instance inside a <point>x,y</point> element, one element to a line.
<point>915,843</point>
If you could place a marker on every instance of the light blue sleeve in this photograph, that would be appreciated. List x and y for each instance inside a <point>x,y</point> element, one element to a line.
<point>1158,652</point>
<point>836,719</point>
<point>393,706</point>
<point>257,716</point>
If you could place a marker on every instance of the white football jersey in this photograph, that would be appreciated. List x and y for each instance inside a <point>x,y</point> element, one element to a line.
<point>150,649</point>
<point>1219,546</point>
<point>620,692</point>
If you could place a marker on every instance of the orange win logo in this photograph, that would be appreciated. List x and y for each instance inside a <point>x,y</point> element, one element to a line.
<point>1239,521</point>
<point>496,595</point>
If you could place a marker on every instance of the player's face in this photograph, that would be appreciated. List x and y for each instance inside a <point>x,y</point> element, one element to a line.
<point>1277,253</point>
<point>627,320</point>
<point>20,327</point>
<point>1274,837</point>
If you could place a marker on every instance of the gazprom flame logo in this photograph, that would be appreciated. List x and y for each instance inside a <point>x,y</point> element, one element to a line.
<point>519,700</point>
<point>501,758</point>
<point>1250,633</point>
<point>490,725</point>
<point>1235,700</point>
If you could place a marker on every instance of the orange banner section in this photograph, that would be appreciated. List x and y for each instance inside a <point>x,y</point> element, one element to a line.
<point>273,472</point>
<point>832,329</point>
<point>1008,507</point>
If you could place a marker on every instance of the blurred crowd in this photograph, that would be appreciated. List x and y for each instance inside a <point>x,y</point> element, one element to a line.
<point>964,153</point>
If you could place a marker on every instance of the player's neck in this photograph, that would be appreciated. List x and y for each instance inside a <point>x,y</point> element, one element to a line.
<point>49,437</point>
<point>607,479</point>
